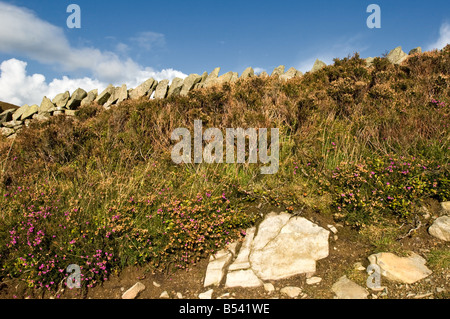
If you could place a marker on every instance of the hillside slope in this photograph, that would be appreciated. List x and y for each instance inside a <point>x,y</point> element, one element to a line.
<point>367,147</point>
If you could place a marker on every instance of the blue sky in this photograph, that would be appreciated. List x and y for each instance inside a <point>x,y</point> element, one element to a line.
<point>129,41</point>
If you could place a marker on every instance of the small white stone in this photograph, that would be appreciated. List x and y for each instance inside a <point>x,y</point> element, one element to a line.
<point>156,284</point>
<point>269,287</point>
<point>313,280</point>
<point>344,288</point>
<point>179,295</point>
<point>333,229</point>
<point>359,266</point>
<point>134,291</point>
<point>291,292</point>
<point>441,228</point>
<point>164,295</point>
<point>423,295</point>
<point>206,295</point>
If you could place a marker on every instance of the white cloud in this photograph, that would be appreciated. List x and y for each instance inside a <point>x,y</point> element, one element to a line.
<point>444,38</point>
<point>25,34</point>
<point>259,70</point>
<point>17,87</point>
<point>149,40</point>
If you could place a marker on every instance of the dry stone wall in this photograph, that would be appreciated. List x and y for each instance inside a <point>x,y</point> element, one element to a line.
<point>13,120</point>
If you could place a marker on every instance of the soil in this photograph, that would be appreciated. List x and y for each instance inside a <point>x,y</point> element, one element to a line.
<point>347,247</point>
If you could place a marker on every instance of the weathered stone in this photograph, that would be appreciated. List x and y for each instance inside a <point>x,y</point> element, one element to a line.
<point>313,280</point>
<point>119,95</point>
<point>401,269</point>
<point>216,267</point>
<point>202,81</point>
<point>318,65</point>
<point>189,83</point>
<point>290,250</point>
<point>333,229</point>
<point>242,261</point>
<point>103,97</point>
<point>145,89</point>
<point>417,50</point>
<point>122,94</point>
<point>112,99</point>
<point>164,295</point>
<point>157,285</point>
<point>46,105</point>
<point>278,71</point>
<point>248,73</point>
<point>206,295</point>
<point>269,228</point>
<point>13,124</point>
<point>359,266</point>
<point>161,89</point>
<point>56,113</point>
<point>269,287</point>
<point>445,207</point>
<point>264,74</point>
<point>75,100</point>
<point>61,99</point>
<point>41,116</point>
<point>212,77</point>
<point>13,136</point>
<point>70,112</point>
<point>441,228</point>
<point>234,77</point>
<point>292,72</point>
<point>225,78</point>
<point>134,291</point>
<point>204,77</point>
<point>369,61</point>
<point>291,292</point>
<point>30,111</point>
<point>242,278</point>
<point>175,87</point>
<point>18,113</point>
<point>397,56</point>
<point>5,131</point>
<point>91,96</point>
<point>344,288</point>
<point>7,116</point>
